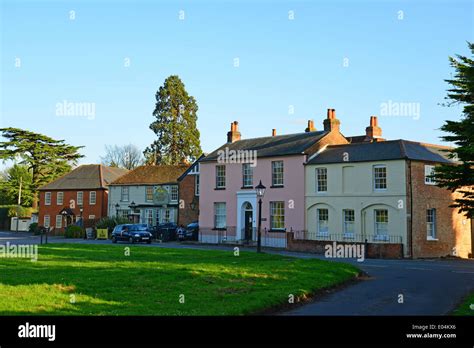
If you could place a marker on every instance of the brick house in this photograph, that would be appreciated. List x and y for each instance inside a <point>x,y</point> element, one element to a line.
<point>383,193</point>
<point>85,187</point>
<point>188,184</point>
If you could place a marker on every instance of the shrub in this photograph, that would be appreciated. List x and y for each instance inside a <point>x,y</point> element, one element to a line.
<point>110,222</point>
<point>34,228</point>
<point>73,231</point>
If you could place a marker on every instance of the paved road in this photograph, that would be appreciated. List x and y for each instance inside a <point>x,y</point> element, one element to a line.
<point>428,287</point>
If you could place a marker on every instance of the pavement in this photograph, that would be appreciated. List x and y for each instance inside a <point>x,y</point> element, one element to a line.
<point>393,287</point>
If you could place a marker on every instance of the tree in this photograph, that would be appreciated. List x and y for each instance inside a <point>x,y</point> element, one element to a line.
<point>45,158</point>
<point>175,126</point>
<point>460,177</point>
<point>12,178</point>
<point>127,156</point>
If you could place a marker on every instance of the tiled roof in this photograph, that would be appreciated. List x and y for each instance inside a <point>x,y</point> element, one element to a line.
<point>379,151</point>
<point>88,176</point>
<point>159,174</point>
<point>280,145</point>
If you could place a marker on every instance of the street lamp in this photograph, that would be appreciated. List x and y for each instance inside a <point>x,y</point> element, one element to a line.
<point>81,210</point>
<point>117,206</point>
<point>260,189</point>
<point>132,206</point>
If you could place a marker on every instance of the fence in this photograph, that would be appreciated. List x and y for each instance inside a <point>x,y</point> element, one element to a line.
<point>347,237</point>
<point>269,239</point>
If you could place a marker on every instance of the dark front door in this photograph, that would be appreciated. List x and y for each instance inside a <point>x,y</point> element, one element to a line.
<point>248,225</point>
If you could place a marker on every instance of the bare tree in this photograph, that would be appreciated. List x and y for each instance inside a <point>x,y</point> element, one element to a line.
<point>126,156</point>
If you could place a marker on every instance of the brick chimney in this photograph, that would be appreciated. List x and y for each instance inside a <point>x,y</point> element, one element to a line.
<point>331,123</point>
<point>274,132</point>
<point>234,133</point>
<point>310,127</point>
<point>373,130</point>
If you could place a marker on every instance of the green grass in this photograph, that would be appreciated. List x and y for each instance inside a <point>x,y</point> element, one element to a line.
<point>464,308</point>
<point>71,279</point>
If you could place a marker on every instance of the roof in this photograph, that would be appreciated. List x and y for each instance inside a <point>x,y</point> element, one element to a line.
<point>379,151</point>
<point>279,145</point>
<point>191,167</point>
<point>87,176</point>
<point>152,175</point>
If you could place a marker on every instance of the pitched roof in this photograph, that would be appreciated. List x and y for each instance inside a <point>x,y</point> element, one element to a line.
<point>153,174</point>
<point>191,167</point>
<point>87,176</point>
<point>379,151</point>
<point>279,145</point>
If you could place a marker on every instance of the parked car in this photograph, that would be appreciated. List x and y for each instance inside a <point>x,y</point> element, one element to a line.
<point>133,233</point>
<point>189,233</point>
<point>166,231</point>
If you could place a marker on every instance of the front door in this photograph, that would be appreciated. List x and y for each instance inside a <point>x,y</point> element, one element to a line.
<point>248,224</point>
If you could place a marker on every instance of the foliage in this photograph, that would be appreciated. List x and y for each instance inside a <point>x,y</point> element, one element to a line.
<point>45,158</point>
<point>460,177</point>
<point>175,126</point>
<point>73,231</point>
<point>465,307</point>
<point>110,222</point>
<point>127,156</point>
<point>34,228</point>
<point>106,281</point>
<point>15,210</point>
<point>10,182</point>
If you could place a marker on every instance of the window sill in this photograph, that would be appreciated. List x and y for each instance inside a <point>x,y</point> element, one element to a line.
<point>246,188</point>
<point>277,186</point>
<point>219,188</point>
<point>283,230</point>
<point>430,239</point>
<point>219,229</point>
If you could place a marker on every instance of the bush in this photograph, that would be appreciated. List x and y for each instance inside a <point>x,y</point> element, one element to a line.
<point>74,231</point>
<point>34,228</point>
<point>110,222</point>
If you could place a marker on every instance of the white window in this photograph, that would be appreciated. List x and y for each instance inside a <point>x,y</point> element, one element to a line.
<point>47,198</point>
<point>196,185</point>
<point>381,224</point>
<point>174,193</point>
<point>80,198</point>
<point>220,176</point>
<point>277,215</point>
<point>46,221</point>
<point>59,198</point>
<point>431,224</point>
<point>321,180</point>
<point>322,217</point>
<point>124,194</point>
<point>166,216</point>
<point>149,193</point>
<point>91,217</point>
<point>220,215</point>
<point>92,197</point>
<point>59,221</point>
<point>123,213</point>
<point>247,175</point>
<point>380,178</point>
<point>277,173</point>
<point>149,216</point>
<point>349,220</point>
<point>429,171</point>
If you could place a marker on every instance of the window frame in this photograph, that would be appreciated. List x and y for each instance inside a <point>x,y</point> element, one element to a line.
<point>223,214</point>
<point>60,225</point>
<point>345,223</point>
<point>276,175</point>
<point>59,194</point>
<point>377,235</point>
<point>172,188</point>
<point>319,231</point>
<point>431,231</point>
<point>277,207</point>
<point>80,201</point>
<point>149,195</point>
<point>122,195</point>
<point>92,194</point>
<point>323,180</point>
<point>247,173</point>
<point>47,218</point>
<point>375,177</point>
<point>220,177</point>
<point>47,198</point>
<point>428,180</point>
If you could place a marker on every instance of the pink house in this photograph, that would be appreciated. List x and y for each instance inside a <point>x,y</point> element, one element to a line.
<point>228,176</point>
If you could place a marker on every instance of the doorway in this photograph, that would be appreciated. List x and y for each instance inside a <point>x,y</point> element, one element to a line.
<point>248,222</point>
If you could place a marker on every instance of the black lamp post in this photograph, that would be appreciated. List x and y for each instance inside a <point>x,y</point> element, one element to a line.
<point>81,210</point>
<point>260,189</point>
<point>132,206</point>
<point>117,206</point>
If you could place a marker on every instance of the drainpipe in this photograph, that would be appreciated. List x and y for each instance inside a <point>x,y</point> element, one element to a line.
<point>410,225</point>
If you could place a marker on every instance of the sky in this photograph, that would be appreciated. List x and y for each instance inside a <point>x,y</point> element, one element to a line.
<point>265,64</point>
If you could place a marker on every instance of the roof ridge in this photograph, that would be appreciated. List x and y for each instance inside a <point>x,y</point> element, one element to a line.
<point>402,148</point>
<point>280,136</point>
<point>101,177</point>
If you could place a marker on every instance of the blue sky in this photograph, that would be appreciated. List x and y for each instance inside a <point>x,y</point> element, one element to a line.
<point>352,56</point>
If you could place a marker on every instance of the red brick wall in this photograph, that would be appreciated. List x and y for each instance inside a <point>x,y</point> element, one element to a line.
<point>453,229</point>
<point>99,209</point>
<point>186,196</point>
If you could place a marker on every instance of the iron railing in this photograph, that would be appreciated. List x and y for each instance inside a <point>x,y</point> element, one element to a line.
<point>347,237</point>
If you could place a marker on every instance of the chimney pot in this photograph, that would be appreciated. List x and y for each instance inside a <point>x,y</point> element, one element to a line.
<point>373,130</point>
<point>234,134</point>
<point>310,127</point>
<point>331,123</point>
<point>274,132</point>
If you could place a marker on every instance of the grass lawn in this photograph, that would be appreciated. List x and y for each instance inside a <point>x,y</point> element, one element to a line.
<point>71,279</point>
<point>464,308</point>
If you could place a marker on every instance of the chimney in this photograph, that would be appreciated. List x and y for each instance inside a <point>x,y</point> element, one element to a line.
<point>274,132</point>
<point>331,123</point>
<point>310,127</point>
<point>373,130</point>
<point>234,133</point>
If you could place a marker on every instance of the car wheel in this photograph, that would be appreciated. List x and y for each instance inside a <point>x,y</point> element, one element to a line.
<point>114,240</point>
<point>131,240</point>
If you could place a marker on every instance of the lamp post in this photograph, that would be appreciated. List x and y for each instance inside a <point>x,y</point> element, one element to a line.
<point>132,207</point>
<point>117,206</point>
<point>260,189</point>
<point>81,210</point>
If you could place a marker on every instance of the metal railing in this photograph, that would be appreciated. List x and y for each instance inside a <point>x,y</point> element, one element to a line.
<point>347,237</point>
<point>268,239</point>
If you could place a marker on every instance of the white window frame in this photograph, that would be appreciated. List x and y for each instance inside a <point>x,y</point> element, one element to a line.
<point>92,194</point>
<point>376,177</point>
<point>47,221</point>
<point>174,191</point>
<point>431,225</point>
<point>378,226</point>
<point>247,175</point>
<point>91,217</point>
<point>277,209</point>
<point>320,229</point>
<point>149,193</point>
<point>80,201</point>
<point>59,221</point>
<point>149,217</point>
<point>348,225</point>
<point>47,198</point>
<point>220,176</point>
<point>124,192</point>
<point>220,215</point>
<point>429,170</point>
<point>278,173</point>
<point>59,201</point>
<point>321,180</point>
